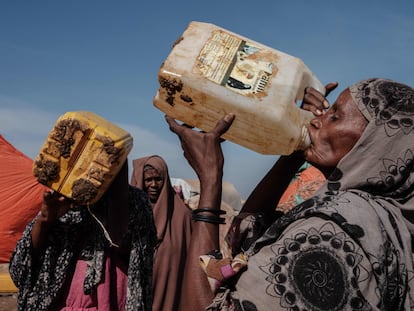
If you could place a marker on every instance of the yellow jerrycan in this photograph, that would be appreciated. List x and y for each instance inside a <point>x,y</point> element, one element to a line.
<point>81,156</point>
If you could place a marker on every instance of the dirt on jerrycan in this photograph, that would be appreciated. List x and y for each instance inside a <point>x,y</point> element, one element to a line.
<point>211,71</point>
<point>81,156</point>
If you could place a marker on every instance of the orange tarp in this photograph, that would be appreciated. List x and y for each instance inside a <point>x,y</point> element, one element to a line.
<point>308,180</point>
<point>20,196</point>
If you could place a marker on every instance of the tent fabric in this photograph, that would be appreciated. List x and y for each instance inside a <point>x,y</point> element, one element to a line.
<point>20,196</point>
<point>307,180</point>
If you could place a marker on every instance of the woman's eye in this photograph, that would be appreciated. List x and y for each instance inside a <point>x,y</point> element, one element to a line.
<point>333,117</point>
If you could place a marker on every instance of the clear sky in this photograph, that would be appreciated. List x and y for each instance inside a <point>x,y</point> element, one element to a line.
<point>103,56</point>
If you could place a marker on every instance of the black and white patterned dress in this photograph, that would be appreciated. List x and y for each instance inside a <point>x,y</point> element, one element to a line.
<point>79,236</point>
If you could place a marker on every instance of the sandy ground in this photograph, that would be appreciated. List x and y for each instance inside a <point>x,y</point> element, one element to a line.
<point>8,301</point>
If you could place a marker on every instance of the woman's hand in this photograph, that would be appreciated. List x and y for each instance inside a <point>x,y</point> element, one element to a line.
<point>54,206</point>
<point>203,150</point>
<point>315,101</point>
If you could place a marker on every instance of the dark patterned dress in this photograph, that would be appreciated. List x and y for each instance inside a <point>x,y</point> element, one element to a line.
<point>79,237</point>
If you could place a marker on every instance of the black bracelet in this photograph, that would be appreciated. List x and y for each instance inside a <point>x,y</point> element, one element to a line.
<point>210,210</point>
<point>210,219</point>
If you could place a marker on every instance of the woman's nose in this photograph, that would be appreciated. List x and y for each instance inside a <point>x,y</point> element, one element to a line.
<point>316,122</point>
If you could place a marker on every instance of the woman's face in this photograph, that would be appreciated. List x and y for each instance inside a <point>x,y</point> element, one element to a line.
<point>153,183</point>
<point>334,133</point>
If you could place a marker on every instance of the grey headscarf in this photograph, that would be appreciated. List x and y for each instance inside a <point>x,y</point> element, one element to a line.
<point>381,164</point>
<point>382,161</point>
<point>369,196</point>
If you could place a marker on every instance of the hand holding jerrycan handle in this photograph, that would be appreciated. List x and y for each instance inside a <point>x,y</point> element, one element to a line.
<point>211,71</point>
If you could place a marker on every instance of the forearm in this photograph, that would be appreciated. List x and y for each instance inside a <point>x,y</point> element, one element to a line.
<point>39,234</point>
<point>196,291</point>
<point>54,206</point>
<point>270,189</point>
<point>203,152</point>
<point>197,294</point>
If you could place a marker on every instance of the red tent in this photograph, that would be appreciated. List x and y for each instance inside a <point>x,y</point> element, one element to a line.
<point>20,196</point>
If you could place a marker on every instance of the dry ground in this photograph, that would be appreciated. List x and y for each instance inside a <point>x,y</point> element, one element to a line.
<point>8,301</point>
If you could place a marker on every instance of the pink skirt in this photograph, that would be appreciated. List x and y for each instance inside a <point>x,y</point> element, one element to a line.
<point>110,294</point>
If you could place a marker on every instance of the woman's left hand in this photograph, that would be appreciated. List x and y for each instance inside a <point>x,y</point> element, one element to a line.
<point>315,101</point>
<point>54,206</point>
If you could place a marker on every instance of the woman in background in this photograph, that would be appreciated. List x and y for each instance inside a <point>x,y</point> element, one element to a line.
<point>173,222</point>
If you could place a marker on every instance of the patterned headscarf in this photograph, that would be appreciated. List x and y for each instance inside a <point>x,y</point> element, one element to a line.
<point>380,169</point>
<point>369,196</point>
<point>382,161</point>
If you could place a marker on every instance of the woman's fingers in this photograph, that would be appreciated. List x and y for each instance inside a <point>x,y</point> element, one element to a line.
<point>316,102</point>
<point>221,127</point>
<point>202,149</point>
<point>330,87</point>
<point>223,124</point>
<point>174,126</point>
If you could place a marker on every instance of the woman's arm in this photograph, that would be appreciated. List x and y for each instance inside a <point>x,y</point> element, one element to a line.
<point>204,154</point>
<point>262,202</point>
<point>54,206</point>
<point>26,257</point>
<point>271,188</point>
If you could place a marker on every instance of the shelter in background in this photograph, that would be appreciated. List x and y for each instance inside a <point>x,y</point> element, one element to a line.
<point>21,196</point>
<point>20,200</point>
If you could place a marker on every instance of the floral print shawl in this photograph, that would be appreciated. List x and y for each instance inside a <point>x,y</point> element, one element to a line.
<point>39,282</point>
<point>349,246</point>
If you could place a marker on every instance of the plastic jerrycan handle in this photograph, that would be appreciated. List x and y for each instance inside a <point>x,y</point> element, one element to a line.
<point>308,80</point>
